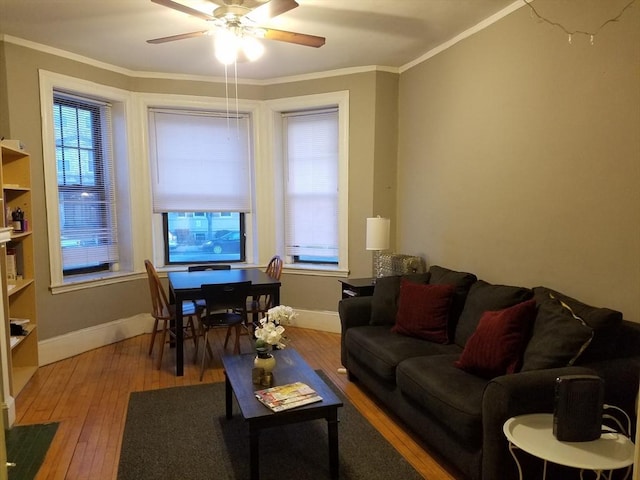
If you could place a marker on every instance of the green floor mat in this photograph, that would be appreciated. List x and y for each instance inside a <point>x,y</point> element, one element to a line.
<point>27,446</point>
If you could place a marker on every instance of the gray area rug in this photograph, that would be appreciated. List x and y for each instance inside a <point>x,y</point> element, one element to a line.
<point>182,433</point>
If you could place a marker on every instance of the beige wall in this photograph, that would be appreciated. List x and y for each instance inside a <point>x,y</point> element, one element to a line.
<point>4,113</point>
<point>67,312</point>
<point>519,156</point>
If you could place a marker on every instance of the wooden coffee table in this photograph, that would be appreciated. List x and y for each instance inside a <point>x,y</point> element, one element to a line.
<point>290,367</point>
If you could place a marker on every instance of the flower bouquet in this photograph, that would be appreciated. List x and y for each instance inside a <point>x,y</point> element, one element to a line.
<point>270,331</point>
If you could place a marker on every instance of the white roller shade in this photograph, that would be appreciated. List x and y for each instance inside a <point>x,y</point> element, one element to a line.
<point>311,183</point>
<point>200,161</point>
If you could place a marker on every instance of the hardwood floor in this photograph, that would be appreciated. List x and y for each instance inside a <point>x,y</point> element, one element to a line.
<point>88,395</point>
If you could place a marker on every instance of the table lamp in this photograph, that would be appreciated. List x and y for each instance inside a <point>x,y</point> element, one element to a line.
<point>377,240</point>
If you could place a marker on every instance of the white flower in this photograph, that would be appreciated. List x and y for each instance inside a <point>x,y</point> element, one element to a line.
<point>271,330</point>
<point>281,314</point>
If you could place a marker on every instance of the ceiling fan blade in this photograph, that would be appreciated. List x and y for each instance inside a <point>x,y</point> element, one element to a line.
<point>271,9</point>
<point>293,37</point>
<point>184,9</point>
<point>181,36</point>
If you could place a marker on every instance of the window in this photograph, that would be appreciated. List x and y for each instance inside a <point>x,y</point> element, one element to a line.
<point>201,182</point>
<point>86,198</point>
<point>204,237</point>
<point>94,213</point>
<point>311,213</point>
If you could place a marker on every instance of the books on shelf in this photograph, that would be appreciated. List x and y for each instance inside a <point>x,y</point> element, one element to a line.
<point>12,271</point>
<point>285,397</point>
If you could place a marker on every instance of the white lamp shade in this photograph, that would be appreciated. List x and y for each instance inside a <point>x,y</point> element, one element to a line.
<point>378,233</point>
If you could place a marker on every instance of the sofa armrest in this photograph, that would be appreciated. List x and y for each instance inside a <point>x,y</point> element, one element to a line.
<point>508,396</point>
<point>354,312</point>
<point>621,378</point>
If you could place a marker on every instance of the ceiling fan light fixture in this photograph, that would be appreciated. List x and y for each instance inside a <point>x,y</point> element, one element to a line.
<point>252,48</point>
<point>226,46</point>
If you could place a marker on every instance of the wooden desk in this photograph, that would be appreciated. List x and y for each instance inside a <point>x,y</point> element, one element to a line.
<point>186,286</point>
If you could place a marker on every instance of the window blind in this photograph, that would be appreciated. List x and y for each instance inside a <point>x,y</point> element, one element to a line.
<point>86,190</point>
<point>311,184</point>
<point>200,161</point>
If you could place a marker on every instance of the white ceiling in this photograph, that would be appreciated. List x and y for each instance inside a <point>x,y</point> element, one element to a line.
<point>359,33</point>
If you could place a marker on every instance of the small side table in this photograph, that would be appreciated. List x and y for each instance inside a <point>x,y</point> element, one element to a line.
<point>534,434</point>
<point>357,287</point>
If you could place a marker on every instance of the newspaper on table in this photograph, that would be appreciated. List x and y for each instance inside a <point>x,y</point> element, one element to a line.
<point>285,397</point>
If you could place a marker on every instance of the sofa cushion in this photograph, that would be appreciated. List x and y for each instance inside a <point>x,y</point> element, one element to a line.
<point>462,281</point>
<point>446,392</point>
<point>423,311</point>
<point>558,338</point>
<point>381,350</point>
<point>384,302</point>
<point>496,347</point>
<point>604,322</point>
<point>485,297</point>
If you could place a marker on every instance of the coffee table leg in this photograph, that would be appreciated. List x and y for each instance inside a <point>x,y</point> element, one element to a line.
<point>228,396</point>
<point>254,452</point>
<point>332,426</point>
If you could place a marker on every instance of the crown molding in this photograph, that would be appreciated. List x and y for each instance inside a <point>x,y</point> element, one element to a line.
<point>272,81</point>
<point>467,33</point>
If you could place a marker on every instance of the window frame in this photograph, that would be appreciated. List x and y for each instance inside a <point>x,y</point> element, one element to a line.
<point>252,224</point>
<point>275,109</point>
<point>126,175</point>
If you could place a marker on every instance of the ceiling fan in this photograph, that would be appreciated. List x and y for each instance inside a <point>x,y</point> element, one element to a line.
<point>241,19</point>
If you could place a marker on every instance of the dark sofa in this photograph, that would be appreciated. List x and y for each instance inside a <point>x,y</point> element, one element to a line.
<point>458,410</point>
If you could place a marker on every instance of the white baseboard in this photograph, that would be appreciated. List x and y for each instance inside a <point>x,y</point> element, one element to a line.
<point>80,341</point>
<point>73,343</point>
<point>8,412</point>
<point>318,320</point>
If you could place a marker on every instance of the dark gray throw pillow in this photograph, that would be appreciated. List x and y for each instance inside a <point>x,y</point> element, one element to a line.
<point>559,336</point>
<point>462,281</point>
<point>604,322</point>
<point>384,303</point>
<point>485,297</point>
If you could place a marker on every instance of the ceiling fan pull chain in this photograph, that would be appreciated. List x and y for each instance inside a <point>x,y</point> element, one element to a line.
<point>235,67</point>
<point>226,95</point>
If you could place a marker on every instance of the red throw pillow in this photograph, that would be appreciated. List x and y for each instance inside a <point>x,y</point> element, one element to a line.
<point>497,345</point>
<point>423,311</point>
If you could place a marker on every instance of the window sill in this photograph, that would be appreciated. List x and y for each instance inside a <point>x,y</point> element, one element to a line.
<point>319,270</point>
<point>91,280</point>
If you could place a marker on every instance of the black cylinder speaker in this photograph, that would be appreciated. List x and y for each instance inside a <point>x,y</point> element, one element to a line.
<point>577,415</point>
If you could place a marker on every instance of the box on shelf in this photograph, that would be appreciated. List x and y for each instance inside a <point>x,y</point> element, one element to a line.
<point>15,144</point>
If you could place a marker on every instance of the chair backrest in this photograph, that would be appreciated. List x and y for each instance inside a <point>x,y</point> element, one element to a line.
<point>159,301</point>
<point>226,296</point>
<point>274,268</point>
<point>213,266</point>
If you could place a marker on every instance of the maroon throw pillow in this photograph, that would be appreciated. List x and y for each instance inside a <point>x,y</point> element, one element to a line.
<point>497,345</point>
<point>423,311</point>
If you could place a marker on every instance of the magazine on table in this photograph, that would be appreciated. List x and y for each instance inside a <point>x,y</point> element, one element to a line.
<point>284,397</point>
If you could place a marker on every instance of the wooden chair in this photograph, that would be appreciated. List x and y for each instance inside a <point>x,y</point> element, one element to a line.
<point>163,313</point>
<point>225,306</point>
<point>258,306</point>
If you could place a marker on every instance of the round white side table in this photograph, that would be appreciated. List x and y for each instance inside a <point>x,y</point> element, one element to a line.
<point>534,434</point>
